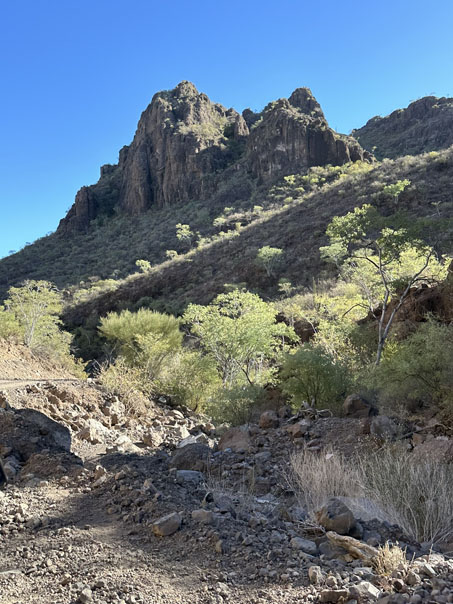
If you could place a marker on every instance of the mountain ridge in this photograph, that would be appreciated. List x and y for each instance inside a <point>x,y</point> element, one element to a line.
<point>184,143</point>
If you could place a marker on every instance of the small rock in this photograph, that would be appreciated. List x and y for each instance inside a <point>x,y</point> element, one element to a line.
<point>86,595</point>
<point>364,591</point>
<point>333,595</point>
<point>203,516</point>
<point>304,545</point>
<point>315,575</point>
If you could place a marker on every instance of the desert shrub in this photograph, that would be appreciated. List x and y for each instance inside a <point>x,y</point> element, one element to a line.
<point>235,405</point>
<point>190,379</point>
<point>390,557</point>
<point>410,377</point>
<point>316,477</point>
<point>145,336</point>
<point>313,376</point>
<point>128,383</point>
<point>416,495</point>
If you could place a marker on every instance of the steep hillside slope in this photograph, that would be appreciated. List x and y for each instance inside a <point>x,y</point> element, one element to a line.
<point>189,159</point>
<point>425,125</point>
<point>297,227</point>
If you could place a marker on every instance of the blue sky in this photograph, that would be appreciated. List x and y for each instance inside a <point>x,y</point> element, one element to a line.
<point>76,75</point>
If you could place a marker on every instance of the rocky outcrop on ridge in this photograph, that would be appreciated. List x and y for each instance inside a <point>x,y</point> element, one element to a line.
<point>292,135</point>
<point>425,125</point>
<point>184,144</point>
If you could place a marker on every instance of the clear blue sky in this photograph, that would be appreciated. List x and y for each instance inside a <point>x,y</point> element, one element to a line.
<point>76,74</point>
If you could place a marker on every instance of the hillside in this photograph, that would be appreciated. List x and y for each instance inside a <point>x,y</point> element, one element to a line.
<point>190,158</point>
<point>425,125</point>
<point>297,227</point>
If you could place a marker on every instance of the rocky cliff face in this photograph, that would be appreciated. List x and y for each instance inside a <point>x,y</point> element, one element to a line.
<point>292,135</point>
<point>184,143</point>
<point>425,125</point>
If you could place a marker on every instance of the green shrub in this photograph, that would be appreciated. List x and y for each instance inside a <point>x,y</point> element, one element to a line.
<point>236,405</point>
<point>190,379</point>
<point>145,336</point>
<point>311,375</point>
<point>418,371</point>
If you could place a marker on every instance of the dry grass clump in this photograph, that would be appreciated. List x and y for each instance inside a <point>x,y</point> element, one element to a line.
<point>416,495</point>
<point>390,557</point>
<point>318,476</point>
<point>128,384</point>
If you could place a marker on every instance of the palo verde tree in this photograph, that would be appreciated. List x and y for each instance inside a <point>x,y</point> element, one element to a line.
<point>385,257</point>
<point>269,258</point>
<point>239,331</point>
<point>36,306</point>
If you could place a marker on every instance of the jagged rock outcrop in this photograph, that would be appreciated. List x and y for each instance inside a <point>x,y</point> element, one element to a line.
<point>181,141</point>
<point>425,125</point>
<point>292,135</point>
<point>184,143</point>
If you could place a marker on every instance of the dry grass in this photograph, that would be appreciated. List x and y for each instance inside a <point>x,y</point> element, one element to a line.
<point>128,384</point>
<point>390,558</point>
<point>417,496</point>
<point>320,476</point>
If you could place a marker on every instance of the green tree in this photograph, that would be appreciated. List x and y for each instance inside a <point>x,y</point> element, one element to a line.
<point>269,258</point>
<point>394,190</point>
<point>385,257</point>
<point>9,326</point>
<point>184,234</point>
<point>144,265</point>
<point>239,330</point>
<point>36,306</point>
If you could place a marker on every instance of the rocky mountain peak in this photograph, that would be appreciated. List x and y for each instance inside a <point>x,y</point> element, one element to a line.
<point>292,135</point>
<point>184,143</point>
<point>303,99</point>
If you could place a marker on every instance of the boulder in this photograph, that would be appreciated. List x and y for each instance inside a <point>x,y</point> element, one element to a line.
<point>364,592</point>
<point>236,439</point>
<point>191,457</point>
<point>189,477</point>
<point>94,432</point>
<point>299,429</point>
<point>315,575</point>
<point>356,406</point>
<point>335,516</point>
<point>383,427</point>
<point>269,419</point>
<point>167,525</point>
<point>153,438</point>
<point>304,545</point>
<point>203,516</point>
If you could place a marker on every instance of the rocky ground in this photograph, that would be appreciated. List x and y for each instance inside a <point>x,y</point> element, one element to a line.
<point>102,506</point>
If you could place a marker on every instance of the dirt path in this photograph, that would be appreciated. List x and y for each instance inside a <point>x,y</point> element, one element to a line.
<point>79,546</point>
